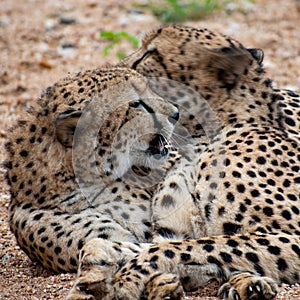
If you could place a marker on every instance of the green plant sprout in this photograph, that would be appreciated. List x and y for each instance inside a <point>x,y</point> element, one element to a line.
<point>115,38</point>
<point>182,10</point>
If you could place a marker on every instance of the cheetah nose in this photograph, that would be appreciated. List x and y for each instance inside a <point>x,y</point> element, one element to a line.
<point>174,117</point>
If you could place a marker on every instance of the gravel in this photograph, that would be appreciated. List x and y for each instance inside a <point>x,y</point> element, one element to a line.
<point>42,41</point>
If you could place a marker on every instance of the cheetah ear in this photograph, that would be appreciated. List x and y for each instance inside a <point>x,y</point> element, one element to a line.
<point>229,64</point>
<point>65,125</point>
<point>257,54</point>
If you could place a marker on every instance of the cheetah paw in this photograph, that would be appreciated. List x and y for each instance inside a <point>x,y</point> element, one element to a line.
<point>246,286</point>
<point>89,290</point>
<point>163,286</point>
<point>93,282</point>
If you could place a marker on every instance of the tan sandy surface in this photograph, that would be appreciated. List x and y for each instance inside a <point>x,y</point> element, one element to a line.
<point>37,48</point>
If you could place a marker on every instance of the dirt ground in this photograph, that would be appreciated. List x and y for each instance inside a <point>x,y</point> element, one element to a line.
<point>42,41</point>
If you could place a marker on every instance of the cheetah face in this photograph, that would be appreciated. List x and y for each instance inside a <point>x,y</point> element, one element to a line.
<point>126,125</point>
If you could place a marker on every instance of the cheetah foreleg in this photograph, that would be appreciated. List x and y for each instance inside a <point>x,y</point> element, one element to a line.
<point>219,258</point>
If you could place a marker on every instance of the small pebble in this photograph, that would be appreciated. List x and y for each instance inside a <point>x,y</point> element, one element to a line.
<point>68,45</point>
<point>65,20</point>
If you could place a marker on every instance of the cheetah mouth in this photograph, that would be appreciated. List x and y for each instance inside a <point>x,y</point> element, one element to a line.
<point>157,147</point>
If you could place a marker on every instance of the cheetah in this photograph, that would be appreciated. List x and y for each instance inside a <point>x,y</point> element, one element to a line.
<point>107,120</point>
<point>231,213</point>
<point>226,211</point>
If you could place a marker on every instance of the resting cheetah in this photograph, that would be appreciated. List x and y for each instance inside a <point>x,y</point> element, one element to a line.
<point>236,203</point>
<point>57,205</point>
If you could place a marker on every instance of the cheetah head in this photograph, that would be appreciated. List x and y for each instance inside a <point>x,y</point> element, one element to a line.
<point>125,125</point>
<point>217,68</point>
<point>199,58</point>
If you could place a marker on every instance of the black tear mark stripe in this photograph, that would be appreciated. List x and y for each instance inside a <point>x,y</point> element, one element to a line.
<point>135,64</point>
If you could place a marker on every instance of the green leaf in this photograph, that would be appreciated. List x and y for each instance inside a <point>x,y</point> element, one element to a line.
<point>115,38</point>
<point>107,49</point>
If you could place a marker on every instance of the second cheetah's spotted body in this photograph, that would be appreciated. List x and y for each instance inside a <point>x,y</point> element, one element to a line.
<point>235,199</point>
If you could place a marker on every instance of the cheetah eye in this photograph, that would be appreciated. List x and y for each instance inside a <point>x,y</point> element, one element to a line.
<point>135,104</point>
<point>140,104</point>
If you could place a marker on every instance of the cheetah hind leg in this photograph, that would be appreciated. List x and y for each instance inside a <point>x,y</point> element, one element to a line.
<point>99,260</point>
<point>163,286</point>
<point>248,286</point>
